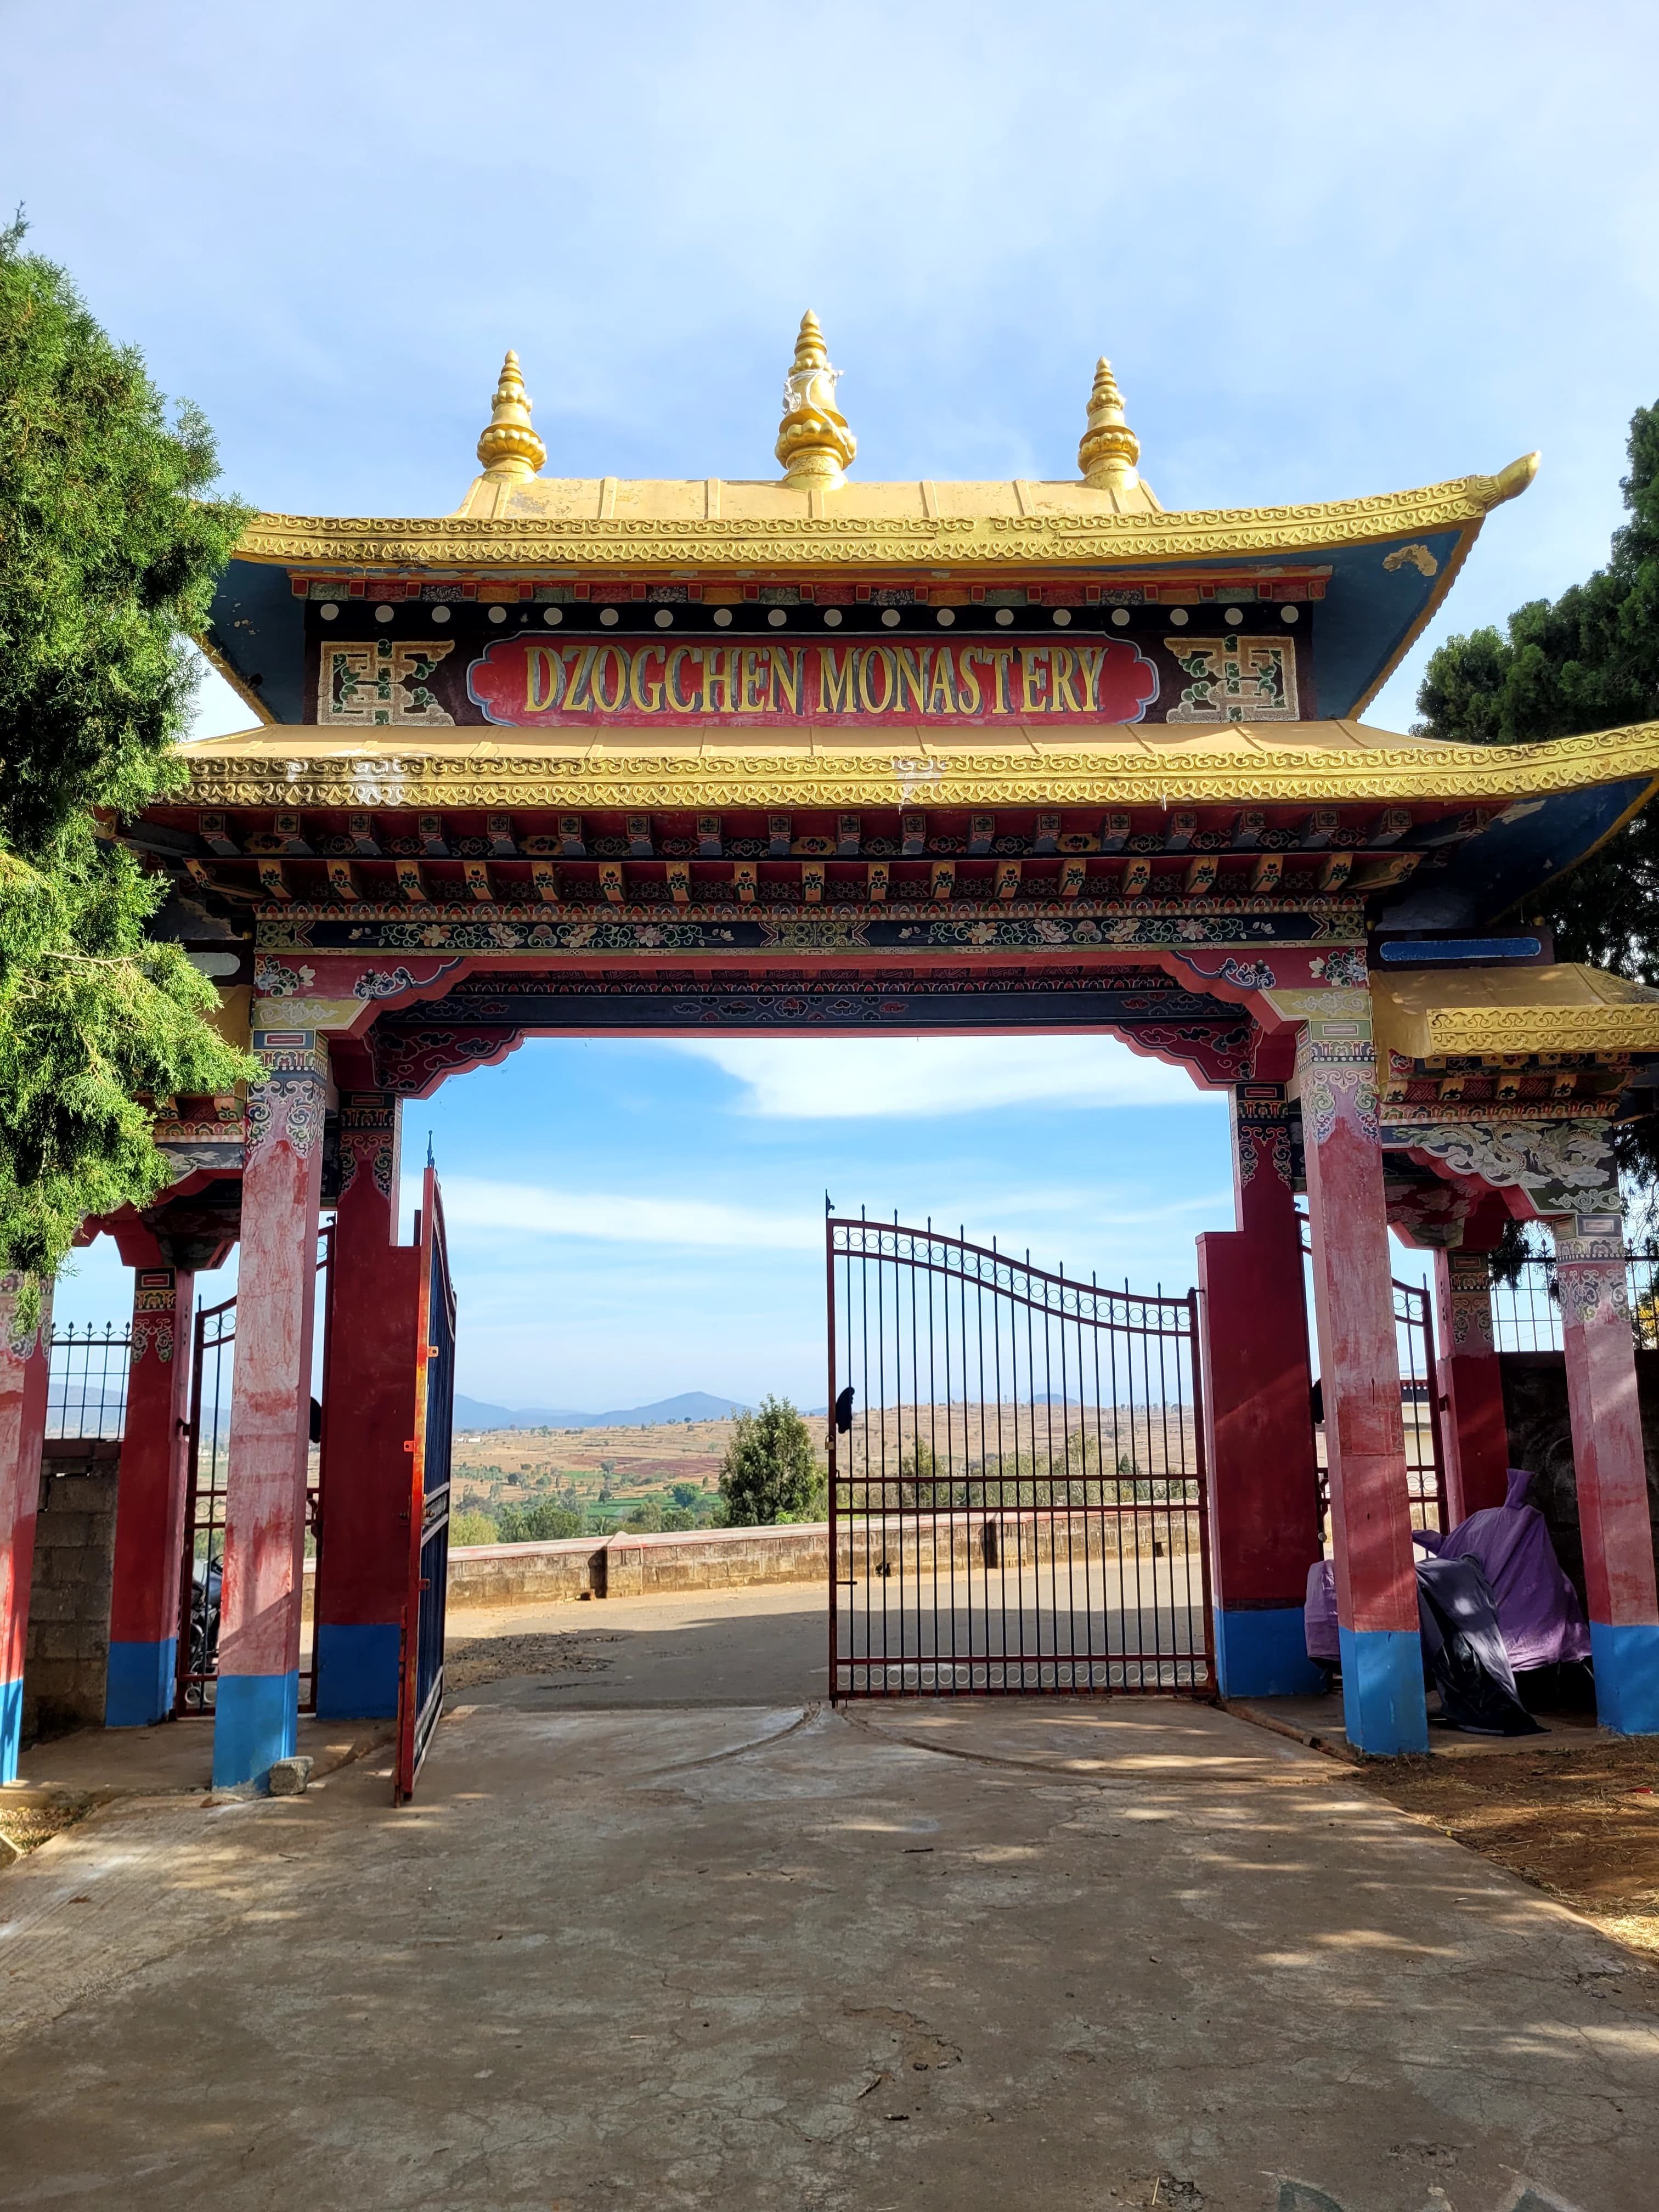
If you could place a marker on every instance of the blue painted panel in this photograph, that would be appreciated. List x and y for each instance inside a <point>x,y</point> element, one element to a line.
<point>256,1720</point>
<point>1626,1662</point>
<point>357,1670</point>
<point>138,1685</point>
<point>1486,876</point>
<point>1366,612</point>
<point>258,626</point>
<point>1263,1653</point>
<point>1384,1708</point>
<point>11,1727</point>
<point>1424,951</point>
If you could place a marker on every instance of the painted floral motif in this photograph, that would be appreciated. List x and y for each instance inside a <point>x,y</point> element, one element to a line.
<point>274,981</point>
<point>285,1108</point>
<point>1334,1095</point>
<point>1344,969</point>
<point>380,983</point>
<point>158,1334</point>
<point>1548,1159</point>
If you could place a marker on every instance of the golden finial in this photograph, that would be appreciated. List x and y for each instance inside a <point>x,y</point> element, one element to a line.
<point>814,443</point>
<point>1109,449</point>
<point>509,447</point>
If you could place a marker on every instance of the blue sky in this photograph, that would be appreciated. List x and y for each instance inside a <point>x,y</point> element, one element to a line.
<point>1330,252</point>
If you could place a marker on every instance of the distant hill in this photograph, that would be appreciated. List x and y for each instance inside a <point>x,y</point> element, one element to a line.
<point>689,1406</point>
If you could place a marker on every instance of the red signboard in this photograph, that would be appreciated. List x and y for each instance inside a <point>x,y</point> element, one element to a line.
<point>539,683</point>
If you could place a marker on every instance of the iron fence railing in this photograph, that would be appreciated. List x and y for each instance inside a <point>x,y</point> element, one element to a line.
<point>1526,1308</point>
<point>87,1380</point>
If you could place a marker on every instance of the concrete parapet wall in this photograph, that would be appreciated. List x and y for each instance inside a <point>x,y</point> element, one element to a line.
<point>630,1565</point>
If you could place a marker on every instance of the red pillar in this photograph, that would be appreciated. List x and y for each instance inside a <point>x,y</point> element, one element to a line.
<point>1371,1515</point>
<point>1474,1435</point>
<point>256,1707</point>
<point>1264,1480</point>
<point>368,1417</point>
<point>1610,1469</point>
<point>149,1512</point>
<point>25,1359</point>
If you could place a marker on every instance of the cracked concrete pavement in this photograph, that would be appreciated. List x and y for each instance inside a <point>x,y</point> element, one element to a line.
<point>1033,1953</point>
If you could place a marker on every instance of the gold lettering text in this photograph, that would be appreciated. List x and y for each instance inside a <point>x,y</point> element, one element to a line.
<point>1065,699</point>
<point>999,657</point>
<point>717,679</point>
<point>577,700</point>
<point>647,697</point>
<point>941,690</point>
<point>544,679</point>
<point>872,657</point>
<point>1033,678</point>
<point>610,658</point>
<point>836,675</point>
<point>912,668</point>
<point>1091,659</point>
<point>787,664</point>
<point>676,702</point>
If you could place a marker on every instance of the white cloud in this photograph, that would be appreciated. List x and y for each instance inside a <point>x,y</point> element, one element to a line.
<point>473,1202</point>
<point>797,1078</point>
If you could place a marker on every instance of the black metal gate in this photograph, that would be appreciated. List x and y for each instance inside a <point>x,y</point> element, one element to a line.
<point>211,1384</point>
<point>421,1690</point>
<point>1016,1492</point>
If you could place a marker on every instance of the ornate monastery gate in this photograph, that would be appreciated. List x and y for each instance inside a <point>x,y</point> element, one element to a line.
<point>1017,1491</point>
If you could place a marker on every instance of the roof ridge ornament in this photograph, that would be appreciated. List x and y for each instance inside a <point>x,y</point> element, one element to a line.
<point>509,449</point>
<point>814,443</point>
<point>1109,450</point>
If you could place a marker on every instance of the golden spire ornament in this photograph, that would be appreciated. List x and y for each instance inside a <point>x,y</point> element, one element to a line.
<point>509,447</point>
<point>1111,450</point>
<point>814,443</point>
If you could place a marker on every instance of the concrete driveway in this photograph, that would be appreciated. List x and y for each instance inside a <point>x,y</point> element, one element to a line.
<point>944,1957</point>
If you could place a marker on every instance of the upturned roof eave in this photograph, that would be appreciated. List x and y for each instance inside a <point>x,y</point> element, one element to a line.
<point>986,542</point>
<point>1331,764</point>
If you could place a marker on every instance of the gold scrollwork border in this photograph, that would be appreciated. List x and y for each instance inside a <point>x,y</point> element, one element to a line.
<point>274,768</point>
<point>994,540</point>
<point>1474,1030</point>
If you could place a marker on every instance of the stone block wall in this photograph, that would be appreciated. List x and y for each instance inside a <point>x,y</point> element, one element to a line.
<point>68,1607</point>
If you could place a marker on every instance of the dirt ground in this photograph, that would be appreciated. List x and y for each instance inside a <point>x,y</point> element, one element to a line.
<point>1584,1824</point>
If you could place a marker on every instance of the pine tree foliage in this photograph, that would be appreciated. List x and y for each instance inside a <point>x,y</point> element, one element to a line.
<point>1588,660</point>
<point>770,1472</point>
<point>108,552</point>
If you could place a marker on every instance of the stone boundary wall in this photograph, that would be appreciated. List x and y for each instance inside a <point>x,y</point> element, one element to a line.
<point>68,1654</point>
<point>638,1565</point>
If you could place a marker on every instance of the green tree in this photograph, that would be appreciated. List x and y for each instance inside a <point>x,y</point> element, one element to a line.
<point>108,552</point>
<point>1588,660</point>
<point>770,1472</point>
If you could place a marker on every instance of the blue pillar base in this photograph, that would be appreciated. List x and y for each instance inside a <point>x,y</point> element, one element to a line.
<point>138,1685</point>
<point>1263,1653</point>
<point>11,1728</point>
<point>256,1720</point>
<point>357,1669</point>
<point>1626,1662</point>
<point>1383,1708</point>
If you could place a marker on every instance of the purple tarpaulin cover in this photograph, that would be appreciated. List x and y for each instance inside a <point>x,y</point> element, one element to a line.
<point>1319,1614</point>
<point>1539,1615</point>
<point>1538,1609</point>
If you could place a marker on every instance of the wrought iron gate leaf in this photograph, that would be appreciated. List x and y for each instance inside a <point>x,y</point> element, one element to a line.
<point>1018,1500</point>
<point>420,1686</point>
